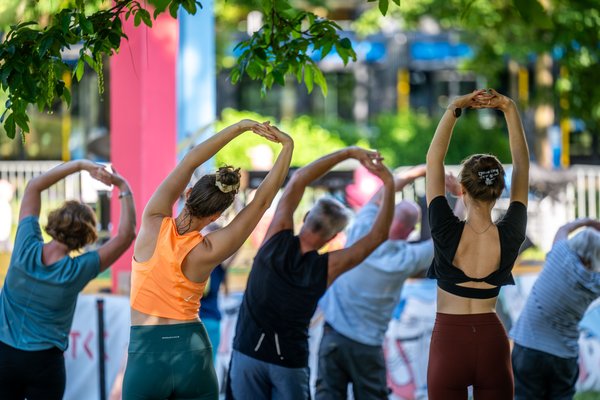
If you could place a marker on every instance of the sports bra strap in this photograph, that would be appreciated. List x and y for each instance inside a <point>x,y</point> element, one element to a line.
<point>468,292</point>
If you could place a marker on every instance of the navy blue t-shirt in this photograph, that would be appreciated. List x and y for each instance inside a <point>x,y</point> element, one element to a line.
<point>209,308</point>
<point>280,299</point>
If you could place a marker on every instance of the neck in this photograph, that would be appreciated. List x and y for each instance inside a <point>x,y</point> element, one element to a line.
<point>53,251</point>
<point>188,223</point>
<point>309,241</point>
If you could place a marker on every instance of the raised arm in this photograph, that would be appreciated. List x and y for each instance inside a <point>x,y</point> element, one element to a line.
<point>400,181</point>
<point>31,202</point>
<point>440,142</point>
<point>519,186</point>
<point>283,218</point>
<point>341,261</point>
<point>222,243</point>
<point>563,232</point>
<point>110,251</point>
<point>161,202</point>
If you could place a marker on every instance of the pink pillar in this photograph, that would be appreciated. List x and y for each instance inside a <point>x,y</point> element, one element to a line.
<point>143,118</point>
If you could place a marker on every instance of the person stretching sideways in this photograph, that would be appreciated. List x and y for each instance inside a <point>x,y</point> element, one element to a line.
<point>38,299</point>
<point>270,348</point>
<point>170,355</point>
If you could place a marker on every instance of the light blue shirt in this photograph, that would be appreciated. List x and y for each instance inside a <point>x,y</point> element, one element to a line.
<point>37,302</point>
<point>360,302</point>
<point>559,297</point>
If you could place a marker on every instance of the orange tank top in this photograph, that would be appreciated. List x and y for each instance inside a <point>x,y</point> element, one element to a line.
<point>158,286</point>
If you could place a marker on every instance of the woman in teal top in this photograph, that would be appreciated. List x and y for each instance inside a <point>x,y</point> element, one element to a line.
<point>39,295</point>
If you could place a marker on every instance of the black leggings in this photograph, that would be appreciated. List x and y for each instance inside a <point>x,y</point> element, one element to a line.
<point>469,350</point>
<point>35,375</point>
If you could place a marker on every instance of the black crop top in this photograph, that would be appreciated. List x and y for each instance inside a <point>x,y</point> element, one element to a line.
<point>446,231</point>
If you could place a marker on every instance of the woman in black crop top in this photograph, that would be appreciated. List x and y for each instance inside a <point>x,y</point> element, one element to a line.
<point>473,258</point>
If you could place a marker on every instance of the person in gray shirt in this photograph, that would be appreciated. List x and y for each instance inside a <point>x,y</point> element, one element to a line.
<point>546,350</point>
<point>359,304</point>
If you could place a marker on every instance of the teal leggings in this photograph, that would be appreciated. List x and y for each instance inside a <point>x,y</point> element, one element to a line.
<point>170,362</point>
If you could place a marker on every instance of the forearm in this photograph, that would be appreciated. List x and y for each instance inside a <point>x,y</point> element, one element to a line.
<point>441,139</point>
<point>49,178</point>
<point>518,144</point>
<point>307,174</point>
<point>127,219</point>
<point>200,153</point>
<point>274,180</point>
<point>564,231</point>
<point>409,176</point>
<point>381,227</point>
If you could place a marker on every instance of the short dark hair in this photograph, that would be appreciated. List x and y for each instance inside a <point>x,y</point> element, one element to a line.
<point>73,224</point>
<point>207,198</point>
<point>482,176</point>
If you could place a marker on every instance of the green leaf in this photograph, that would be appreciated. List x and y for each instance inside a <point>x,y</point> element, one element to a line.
<point>45,45</point>
<point>145,15</point>
<point>137,19</point>
<point>173,8</point>
<point>320,80</point>
<point>190,6</point>
<point>383,6</point>
<point>10,127</point>
<point>397,2</point>
<point>278,77</point>
<point>86,25</point>
<point>79,69</point>
<point>346,43</point>
<point>308,77</point>
<point>89,60</point>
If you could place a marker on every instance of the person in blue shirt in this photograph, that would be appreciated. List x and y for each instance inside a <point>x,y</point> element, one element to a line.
<point>545,354</point>
<point>358,306</point>
<point>210,314</point>
<point>39,295</point>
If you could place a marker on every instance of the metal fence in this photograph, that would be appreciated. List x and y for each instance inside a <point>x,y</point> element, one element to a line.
<point>574,199</point>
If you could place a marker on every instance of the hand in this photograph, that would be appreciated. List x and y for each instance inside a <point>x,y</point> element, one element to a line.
<point>98,172</point>
<point>378,168</point>
<point>492,99</point>
<point>364,156</point>
<point>272,133</point>
<point>118,180</point>
<point>469,100</point>
<point>452,185</point>
<point>246,124</point>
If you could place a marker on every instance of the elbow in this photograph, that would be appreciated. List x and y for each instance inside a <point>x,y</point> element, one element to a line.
<point>126,236</point>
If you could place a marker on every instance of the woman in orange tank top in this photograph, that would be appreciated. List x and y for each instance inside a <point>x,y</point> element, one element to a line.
<point>170,355</point>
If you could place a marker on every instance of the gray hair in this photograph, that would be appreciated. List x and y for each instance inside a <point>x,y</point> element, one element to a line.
<point>327,217</point>
<point>587,246</point>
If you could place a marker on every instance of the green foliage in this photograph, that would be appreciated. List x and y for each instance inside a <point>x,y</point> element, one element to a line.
<point>32,67</point>
<point>523,29</point>
<point>310,140</point>
<point>402,139</point>
<point>283,46</point>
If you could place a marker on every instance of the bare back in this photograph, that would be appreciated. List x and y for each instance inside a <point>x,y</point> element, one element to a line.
<point>477,256</point>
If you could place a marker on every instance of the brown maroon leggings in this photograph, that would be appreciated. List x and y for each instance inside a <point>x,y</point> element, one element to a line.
<point>469,350</point>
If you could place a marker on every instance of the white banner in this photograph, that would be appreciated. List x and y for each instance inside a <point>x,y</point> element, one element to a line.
<point>81,358</point>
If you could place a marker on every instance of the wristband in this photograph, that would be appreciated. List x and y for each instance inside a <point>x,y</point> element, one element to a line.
<point>457,112</point>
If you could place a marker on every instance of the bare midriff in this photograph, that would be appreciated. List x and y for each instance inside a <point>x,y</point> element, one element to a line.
<point>449,303</point>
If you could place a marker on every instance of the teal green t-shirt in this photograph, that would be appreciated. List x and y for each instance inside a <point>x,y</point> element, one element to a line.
<point>37,301</point>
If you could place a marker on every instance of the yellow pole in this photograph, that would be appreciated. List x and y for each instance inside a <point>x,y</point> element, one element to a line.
<point>66,121</point>
<point>565,125</point>
<point>403,90</point>
<point>523,85</point>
